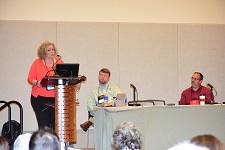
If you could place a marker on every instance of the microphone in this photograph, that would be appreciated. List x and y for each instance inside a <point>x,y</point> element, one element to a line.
<point>50,86</point>
<point>132,86</point>
<point>212,95</point>
<point>55,64</point>
<point>209,85</point>
<point>57,60</point>
<point>134,102</point>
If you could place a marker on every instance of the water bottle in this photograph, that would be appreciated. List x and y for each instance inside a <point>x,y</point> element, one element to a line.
<point>105,100</point>
<point>125,101</point>
<point>202,99</point>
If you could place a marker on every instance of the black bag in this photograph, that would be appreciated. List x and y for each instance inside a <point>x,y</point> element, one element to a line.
<point>12,129</point>
<point>11,134</point>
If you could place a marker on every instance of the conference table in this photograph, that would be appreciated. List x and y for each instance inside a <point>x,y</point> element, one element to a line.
<point>161,126</point>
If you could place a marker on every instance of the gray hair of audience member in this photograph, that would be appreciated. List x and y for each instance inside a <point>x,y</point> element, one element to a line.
<point>22,142</point>
<point>127,136</point>
<point>3,143</point>
<point>210,141</point>
<point>44,140</point>
<point>187,145</point>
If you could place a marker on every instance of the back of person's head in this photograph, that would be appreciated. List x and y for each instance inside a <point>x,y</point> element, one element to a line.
<point>22,142</point>
<point>210,141</point>
<point>187,146</point>
<point>3,143</point>
<point>127,136</point>
<point>44,140</point>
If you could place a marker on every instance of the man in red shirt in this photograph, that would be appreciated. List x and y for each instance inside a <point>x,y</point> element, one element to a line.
<point>196,89</point>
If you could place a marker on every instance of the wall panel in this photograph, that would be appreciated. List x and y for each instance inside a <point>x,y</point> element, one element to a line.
<point>148,59</point>
<point>19,41</point>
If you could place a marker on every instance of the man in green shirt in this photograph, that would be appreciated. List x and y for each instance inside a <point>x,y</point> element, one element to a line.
<point>103,89</point>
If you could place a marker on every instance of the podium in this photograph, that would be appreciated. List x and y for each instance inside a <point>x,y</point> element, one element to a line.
<point>65,105</point>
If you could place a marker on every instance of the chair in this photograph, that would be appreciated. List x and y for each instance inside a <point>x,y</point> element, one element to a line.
<point>151,102</point>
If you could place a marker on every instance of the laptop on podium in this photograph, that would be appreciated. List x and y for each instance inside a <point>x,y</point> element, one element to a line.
<point>121,100</point>
<point>67,69</point>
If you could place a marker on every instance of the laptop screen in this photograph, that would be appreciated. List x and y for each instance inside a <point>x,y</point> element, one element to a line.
<point>67,69</point>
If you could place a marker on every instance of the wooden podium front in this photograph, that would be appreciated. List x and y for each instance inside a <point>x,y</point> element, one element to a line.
<point>65,105</point>
<point>65,113</point>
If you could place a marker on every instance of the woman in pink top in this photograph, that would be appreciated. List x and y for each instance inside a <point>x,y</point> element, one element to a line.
<point>43,66</point>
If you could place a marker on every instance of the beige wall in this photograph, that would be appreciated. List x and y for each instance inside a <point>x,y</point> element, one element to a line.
<point>157,11</point>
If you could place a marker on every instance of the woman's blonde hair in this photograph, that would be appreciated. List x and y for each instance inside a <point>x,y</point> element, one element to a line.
<point>41,52</point>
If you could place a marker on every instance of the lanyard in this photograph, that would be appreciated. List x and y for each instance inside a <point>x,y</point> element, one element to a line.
<point>102,91</point>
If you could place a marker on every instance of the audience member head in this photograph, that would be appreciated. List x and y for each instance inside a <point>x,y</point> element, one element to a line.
<point>210,141</point>
<point>3,143</point>
<point>22,142</point>
<point>187,146</point>
<point>127,136</point>
<point>41,52</point>
<point>44,140</point>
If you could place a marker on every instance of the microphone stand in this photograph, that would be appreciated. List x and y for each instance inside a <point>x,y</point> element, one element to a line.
<point>211,95</point>
<point>134,102</point>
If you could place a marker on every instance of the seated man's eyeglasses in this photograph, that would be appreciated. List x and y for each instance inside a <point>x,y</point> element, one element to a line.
<point>192,78</point>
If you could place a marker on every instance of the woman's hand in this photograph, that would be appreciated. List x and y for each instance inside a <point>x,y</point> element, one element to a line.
<point>38,83</point>
<point>78,86</point>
